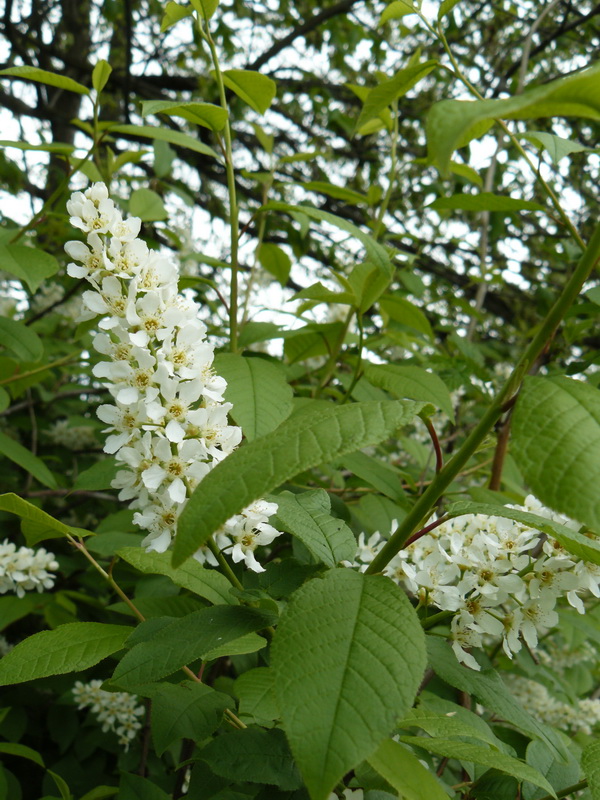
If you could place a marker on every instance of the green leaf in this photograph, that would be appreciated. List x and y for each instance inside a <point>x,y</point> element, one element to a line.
<point>261,396</point>
<point>185,711</point>
<point>249,643</point>
<point>556,444</point>
<point>405,773</point>
<point>275,260</point>
<point>581,546</point>
<point>13,608</point>
<point>322,294</point>
<point>99,476</point>
<point>256,692</point>
<point>556,147</point>
<point>69,648</point>
<point>134,787</point>
<point>446,7</point>
<point>207,583</point>
<point>253,88</point>
<point>258,332</point>
<point>482,756</point>
<point>331,190</point>
<point>173,13</point>
<point>348,657</point>
<point>51,147</point>
<point>300,443</point>
<point>406,313</point>
<point>397,9</point>
<point>100,793</point>
<point>484,201</point>
<point>253,755</point>
<point>22,751</point>
<point>185,640</point>
<point>379,474</point>
<point>590,763</point>
<point>20,340</point>
<point>451,123</point>
<point>368,284</point>
<point>377,254</point>
<point>458,723</point>
<point>43,76</point>
<point>25,459</point>
<point>29,265</point>
<point>205,114</point>
<point>165,135</point>
<point>16,505</point>
<point>205,8</point>
<point>61,785</point>
<point>383,95</point>
<point>560,775</point>
<point>308,517</point>
<point>147,205</point>
<point>101,74</point>
<point>414,383</point>
<point>488,688</point>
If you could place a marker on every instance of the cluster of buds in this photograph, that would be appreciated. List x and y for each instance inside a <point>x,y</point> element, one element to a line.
<point>23,569</point>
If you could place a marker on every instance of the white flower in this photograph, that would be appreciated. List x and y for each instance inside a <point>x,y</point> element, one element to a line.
<point>24,569</point>
<point>118,712</point>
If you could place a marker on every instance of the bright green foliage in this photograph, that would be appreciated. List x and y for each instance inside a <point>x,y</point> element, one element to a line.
<point>344,637</point>
<point>403,770</point>
<point>21,341</point>
<point>412,382</point>
<point>484,201</point>
<point>43,76</point>
<point>590,763</point>
<point>147,205</point>
<point>99,476</point>
<point>253,88</point>
<point>101,74</point>
<point>556,147</point>
<point>302,442</point>
<point>69,648</point>
<point>185,640</point>
<point>167,135</point>
<point>25,459</point>
<point>308,516</point>
<point>261,397</point>
<point>560,462</point>
<point>205,114</point>
<point>40,525</point>
<point>30,265</point>
<point>275,260</point>
<point>559,774</point>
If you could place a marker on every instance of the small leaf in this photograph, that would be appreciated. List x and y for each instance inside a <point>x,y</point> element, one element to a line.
<point>61,785</point>
<point>205,114</point>
<point>261,396</point>
<point>484,201</point>
<point>147,205</point>
<point>40,525</point>
<point>69,648</point>
<point>590,763</point>
<point>207,583</point>
<point>51,147</point>
<point>557,147</point>
<point>403,770</point>
<point>100,75</point>
<point>20,340</point>
<point>173,13</point>
<point>559,461</point>
<point>412,382</point>
<point>253,88</point>
<point>256,692</point>
<point>308,517</point>
<point>275,260</point>
<point>383,95</point>
<point>397,9</point>
<point>25,459</point>
<point>348,657</point>
<point>205,8</point>
<point>185,711</point>
<point>49,78</point>
<point>22,751</point>
<point>29,265</point>
<point>446,7</point>
<point>165,135</point>
<point>300,443</point>
<point>406,313</point>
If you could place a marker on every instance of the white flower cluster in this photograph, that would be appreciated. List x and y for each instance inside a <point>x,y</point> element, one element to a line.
<point>168,422</point>
<point>536,698</point>
<point>561,657</point>
<point>500,577</point>
<point>117,711</point>
<point>24,569</point>
<point>73,437</point>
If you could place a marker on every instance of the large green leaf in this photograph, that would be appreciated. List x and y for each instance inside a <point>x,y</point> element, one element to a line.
<point>253,88</point>
<point>560,775</point>
<point>590,763</point>
<point>43,76</point>
<point>308,517</point>
<point>185,640</point>
<point>70,648</point>
<point>451,123</point>
<point>304,441</point>
<point>261,396</point>
<point>412,382</point>
<point>29,265</point>
<point>485,201</point>
<point>403,770</point>
<point>39,525</point>
<point>581,546</point>
<point>386,92</point>
<point>348,657</point>
<point>254,755</point>
<point>147,205</point>
<point>406,313</point>
<point>256,692</point>
<point>25,459</point>
<point>187,710</point>
<point>556,444</point>
<point>207,583</point>
<point>166,135</point>
<point>482,756</point>
<point>20,340</point>
<point>23,751</point>
<point>207,115</point>
<point>377,254</point>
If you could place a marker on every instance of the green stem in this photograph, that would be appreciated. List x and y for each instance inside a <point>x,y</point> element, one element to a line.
<point>442,480</point>
<point>358,366</point>
<point>331,364</point>
<point>233,205</point>
<point>224,564</point>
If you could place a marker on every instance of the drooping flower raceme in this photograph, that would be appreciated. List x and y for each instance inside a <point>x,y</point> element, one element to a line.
<point>501,578</point>
<point>23,569</point>
<point>118,712</point>
<point>168,423</point>
<point>581,716</point>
